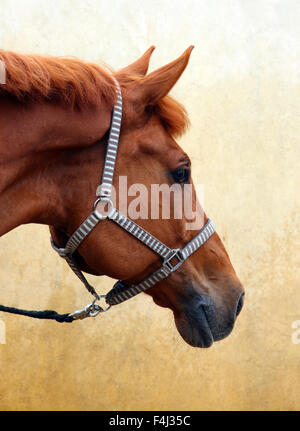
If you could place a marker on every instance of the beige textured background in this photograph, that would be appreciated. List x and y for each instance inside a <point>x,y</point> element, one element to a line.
<point>241,90</point>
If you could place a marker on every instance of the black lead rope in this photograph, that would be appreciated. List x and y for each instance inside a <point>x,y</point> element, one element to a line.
<point>46,314</point>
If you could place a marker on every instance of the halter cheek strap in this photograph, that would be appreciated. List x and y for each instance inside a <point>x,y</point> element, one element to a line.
<point>172,259</point>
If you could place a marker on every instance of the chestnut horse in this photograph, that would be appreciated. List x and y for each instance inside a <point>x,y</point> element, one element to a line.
<point>55,114</point>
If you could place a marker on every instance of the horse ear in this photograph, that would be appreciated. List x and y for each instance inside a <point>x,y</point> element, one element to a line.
<point>157,84</point>
<point>140,66</point>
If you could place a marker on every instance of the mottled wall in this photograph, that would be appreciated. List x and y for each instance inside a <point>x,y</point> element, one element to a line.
<point>241,89</point>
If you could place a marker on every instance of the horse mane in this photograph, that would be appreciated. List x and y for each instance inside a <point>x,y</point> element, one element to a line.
<point>69,81</point>
<point>77,84</point>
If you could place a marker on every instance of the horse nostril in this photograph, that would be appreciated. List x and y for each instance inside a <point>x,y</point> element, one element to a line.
<point>240,304</point>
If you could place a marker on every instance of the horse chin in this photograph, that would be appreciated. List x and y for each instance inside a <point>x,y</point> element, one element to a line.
<point>195,331</point>
<point>200,324</point>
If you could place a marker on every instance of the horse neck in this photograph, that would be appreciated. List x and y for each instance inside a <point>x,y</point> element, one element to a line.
<point>38,142</point>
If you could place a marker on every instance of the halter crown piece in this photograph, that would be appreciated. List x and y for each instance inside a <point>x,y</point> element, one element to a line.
<point>121,290</point>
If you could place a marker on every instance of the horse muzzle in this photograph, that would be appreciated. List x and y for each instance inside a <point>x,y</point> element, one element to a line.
<point>200,322</point>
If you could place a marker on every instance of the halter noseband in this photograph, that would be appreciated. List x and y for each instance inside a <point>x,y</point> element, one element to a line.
<point>121,290</point>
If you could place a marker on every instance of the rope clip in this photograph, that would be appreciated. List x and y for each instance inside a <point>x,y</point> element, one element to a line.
<point>91,310</point>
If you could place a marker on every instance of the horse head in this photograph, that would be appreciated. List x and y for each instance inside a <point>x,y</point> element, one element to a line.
<point>204,294</point>
<point>54,126</point>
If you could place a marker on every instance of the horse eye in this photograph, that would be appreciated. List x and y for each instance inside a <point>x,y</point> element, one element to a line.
<point>181,175</point>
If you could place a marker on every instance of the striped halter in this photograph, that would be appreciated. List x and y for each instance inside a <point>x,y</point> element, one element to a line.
<point>172,259</point>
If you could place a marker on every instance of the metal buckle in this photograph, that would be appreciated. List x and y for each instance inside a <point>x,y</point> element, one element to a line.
<point>178,255</point>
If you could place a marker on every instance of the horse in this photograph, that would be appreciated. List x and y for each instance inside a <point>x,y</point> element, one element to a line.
<point>55,117</point>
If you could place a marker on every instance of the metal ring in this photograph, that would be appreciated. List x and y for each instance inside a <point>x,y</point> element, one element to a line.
<point>105,202</point>
<point>108,305</point>
<point>95,309</point>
